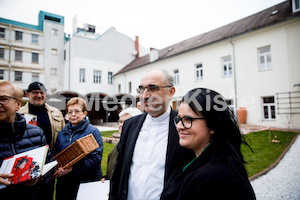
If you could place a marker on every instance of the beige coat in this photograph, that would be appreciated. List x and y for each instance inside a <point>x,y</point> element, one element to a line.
<point>56,120</point>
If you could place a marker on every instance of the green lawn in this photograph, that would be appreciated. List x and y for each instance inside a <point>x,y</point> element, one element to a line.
<point>108,133</point>
<point>107,147</point>
<point>265,152</point>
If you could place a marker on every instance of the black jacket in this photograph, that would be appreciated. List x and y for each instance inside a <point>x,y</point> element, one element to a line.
<point>177,156</point>
<point>212,176</point>
<point>18,137</point>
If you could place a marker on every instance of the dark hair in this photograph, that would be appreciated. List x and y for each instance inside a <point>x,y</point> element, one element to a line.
<point>220,118</point>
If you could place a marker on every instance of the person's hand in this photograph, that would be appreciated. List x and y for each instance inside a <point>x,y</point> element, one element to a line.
<point>3,178</point>
<point>32,182</point>
<point>61,172</point>
<point>102,180</point>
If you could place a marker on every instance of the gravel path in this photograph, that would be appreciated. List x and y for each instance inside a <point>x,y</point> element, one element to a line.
<point>283,181</point>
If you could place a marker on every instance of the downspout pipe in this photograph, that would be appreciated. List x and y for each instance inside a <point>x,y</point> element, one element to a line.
<point>69,36</point>
<point>234,76</point>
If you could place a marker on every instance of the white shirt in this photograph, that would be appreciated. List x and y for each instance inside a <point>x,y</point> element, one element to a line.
<point>147,171</point>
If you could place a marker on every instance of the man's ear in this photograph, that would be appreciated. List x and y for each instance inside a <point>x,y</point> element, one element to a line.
<point>171,92</point>
<point>27,94</point>
<point>19,104</point>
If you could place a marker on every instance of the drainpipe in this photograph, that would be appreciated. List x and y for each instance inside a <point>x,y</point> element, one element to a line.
<point>9,53</point>
<point>234,75</point>
<point>69,62</point>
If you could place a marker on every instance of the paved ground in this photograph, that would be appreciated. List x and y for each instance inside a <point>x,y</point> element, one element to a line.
<point>283,181</point>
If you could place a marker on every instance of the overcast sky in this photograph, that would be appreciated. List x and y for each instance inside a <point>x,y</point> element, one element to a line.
<point>158,23</point>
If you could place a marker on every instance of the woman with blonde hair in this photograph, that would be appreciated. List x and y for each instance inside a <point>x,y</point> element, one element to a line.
<point>87,169</point>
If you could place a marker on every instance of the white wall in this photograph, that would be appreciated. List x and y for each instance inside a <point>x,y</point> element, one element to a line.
<point>252,84</point>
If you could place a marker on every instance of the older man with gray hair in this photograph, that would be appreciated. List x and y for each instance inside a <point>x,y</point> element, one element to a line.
<point>149,152</point>
<point>16,137</point>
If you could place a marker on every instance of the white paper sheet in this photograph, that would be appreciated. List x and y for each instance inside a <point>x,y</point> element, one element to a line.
<point>93,190</point>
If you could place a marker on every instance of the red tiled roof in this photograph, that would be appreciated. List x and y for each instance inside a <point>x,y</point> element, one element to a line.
<point>270,16</point>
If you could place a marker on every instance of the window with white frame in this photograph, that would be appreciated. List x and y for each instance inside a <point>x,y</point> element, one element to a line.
<point>54,32</point>
<point>264,57</point>
<point>110,77</point>
<point>18,76</point>
<point>1,52</point>
<point>268,105</point>
<point>18,55</point>
<point>199,72</point>
<point>2,32</point>
<point>53,71</point>
<point>35,58</point>
<point>176,76</point>
<point>81,75</point>
<point>296,5</point>
<point>1,74</point>
<point>97,76</point>
<point>19,36</point>
<point>226,66</point>
<point>119,88</point>
<point>35,76</point>
<point>34,38</point>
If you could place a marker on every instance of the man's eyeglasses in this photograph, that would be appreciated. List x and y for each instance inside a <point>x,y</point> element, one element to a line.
<point>150,88</point>
<point>70,112</point>
<point>37,92</point>
<point>6,99</point>
<point>186,121</point>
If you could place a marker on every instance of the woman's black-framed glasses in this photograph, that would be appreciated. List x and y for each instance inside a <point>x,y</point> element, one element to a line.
<point>186,121</point>
<point>5,99</point>
<point>150,88</point>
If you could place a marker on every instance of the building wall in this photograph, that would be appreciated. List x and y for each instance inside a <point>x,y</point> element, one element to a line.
<point>108,52</point>
<point>252,84</point>
<point>54,55</point>
<point>26,66</point>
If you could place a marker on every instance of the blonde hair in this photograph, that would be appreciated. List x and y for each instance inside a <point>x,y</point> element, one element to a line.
<point>77,100</point>
<point>17,92</point>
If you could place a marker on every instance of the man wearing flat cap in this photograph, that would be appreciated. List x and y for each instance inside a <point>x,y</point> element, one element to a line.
<point>49,118</point>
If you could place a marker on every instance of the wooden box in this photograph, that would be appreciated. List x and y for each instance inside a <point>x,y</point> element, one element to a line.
<point>76,151</point>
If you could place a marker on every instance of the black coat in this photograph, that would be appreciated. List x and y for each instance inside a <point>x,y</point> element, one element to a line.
<point>211,176</point>
<point>177,156</point>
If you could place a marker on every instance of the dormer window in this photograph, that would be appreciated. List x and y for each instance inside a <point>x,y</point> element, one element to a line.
<point>296,5</point>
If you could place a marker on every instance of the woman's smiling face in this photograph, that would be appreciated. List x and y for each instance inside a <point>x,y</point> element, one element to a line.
<point>197,137</point>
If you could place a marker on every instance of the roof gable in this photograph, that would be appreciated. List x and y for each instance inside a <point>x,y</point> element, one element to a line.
<point>267,17</point>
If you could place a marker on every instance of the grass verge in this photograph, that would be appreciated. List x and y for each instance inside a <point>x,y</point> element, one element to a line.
<point>265,152</point>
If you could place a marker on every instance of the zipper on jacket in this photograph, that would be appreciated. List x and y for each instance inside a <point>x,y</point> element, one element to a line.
<point>12,139</point>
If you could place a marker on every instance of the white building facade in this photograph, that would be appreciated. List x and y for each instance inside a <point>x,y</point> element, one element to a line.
<point>253,63</point>
<point>25,49</point>
<point>92,60</point>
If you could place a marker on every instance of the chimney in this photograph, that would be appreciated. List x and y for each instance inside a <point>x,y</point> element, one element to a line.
<point>153,54</point>
<point>137,47</point>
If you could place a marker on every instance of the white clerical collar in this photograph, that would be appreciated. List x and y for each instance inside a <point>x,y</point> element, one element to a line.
<point>161,117</point>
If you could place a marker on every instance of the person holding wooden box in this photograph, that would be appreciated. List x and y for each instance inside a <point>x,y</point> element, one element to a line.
<point>88,168</point>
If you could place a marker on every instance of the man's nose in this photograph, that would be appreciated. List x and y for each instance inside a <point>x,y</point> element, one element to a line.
<point>145,94</point>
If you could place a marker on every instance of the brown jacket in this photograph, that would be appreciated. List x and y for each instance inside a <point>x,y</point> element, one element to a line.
<point>56,120</point>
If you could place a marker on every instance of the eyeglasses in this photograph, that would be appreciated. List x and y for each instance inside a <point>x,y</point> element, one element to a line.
<point>74,111</point>
<point>6,99</point>
<point>37,92</point>
<point>186,121</point>
<point>120,122</point>
<point>150,88</point>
